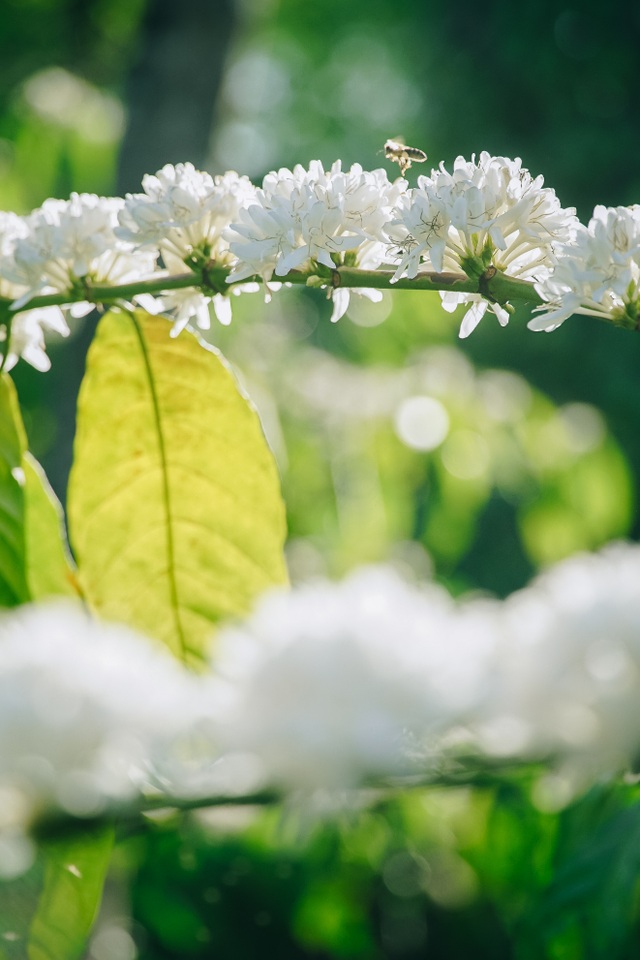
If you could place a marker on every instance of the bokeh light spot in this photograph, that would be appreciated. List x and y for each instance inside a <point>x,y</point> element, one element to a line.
<point>422,422</point>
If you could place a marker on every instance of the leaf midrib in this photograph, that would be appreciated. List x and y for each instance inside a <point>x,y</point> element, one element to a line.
<point>166,491</point>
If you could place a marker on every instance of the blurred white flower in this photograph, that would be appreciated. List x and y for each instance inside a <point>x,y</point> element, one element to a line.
<point>310,215</point>
<point>569,662</point>
<point>323,688</point>
<point>332,683</point>
<point>489,213</point>
<point>84,709</point>
<point>597,273</point>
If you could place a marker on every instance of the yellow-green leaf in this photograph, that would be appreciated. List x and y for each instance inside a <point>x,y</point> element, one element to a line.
<point>13,579</point>
<point>50,569</point>
<point>47,912</point>
<point>74,872</point>
<point>175,512</point>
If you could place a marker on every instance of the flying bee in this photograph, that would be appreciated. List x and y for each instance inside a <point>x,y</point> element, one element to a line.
<point>398,152</point>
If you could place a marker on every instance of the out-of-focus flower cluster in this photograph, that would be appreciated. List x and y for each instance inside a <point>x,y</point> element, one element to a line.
<point>324,688</point>
<point>336,682</point>
<point>216,232</point>
<point>570,663</point>
<point>85,708</point>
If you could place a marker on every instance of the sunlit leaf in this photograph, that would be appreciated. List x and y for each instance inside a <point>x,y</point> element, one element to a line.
<point>13,580</point>
<point>74,875</point>
<point>175,512</point>
<point>50,570</point>
<point>47,913</point>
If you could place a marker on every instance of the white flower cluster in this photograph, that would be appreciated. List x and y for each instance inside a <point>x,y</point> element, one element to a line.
<point>597,273</point>
<point>323,688</point>
<point>570,663</point>
<point>183,215</point>
<point>332,683</point>
<point>85,708</point>
<point>56,250</point>
<point>27,328</point>
<point>486,213</point>
<point>301,217</point>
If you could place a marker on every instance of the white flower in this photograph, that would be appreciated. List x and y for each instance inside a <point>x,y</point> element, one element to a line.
<point>188,304</point>
<point>332,683</point>
<point>184,211</point>
<point>570,663</point>
<point>67,242</point>
<point>27,338</point>
<point>183,214</point>
<point>301,217</point>
<point>84,706</point>
<point>489,213</point>
<point>419,231</point>
<point>597,273</point>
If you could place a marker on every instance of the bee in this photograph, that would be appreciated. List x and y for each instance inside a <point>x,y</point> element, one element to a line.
<point>398,152</point>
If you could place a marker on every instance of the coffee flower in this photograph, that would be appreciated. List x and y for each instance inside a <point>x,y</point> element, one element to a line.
<point>486,214</point>
<point>66,244</point>
<point>570,665</point>
<point>61,248</point>
<point>84,708</point>
<point>597,273</point>
<point>26,338</point>
<point>184,211</point>
<point>332,683</point>
<point>183,215</point>
<point>304,217</point>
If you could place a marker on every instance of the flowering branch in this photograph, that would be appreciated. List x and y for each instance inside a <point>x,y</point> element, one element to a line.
<point>480,772</point>
<point>483,236</point>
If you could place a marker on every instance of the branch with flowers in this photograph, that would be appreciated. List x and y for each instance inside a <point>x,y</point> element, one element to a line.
<point>484,235</point>
<point>151,654</point>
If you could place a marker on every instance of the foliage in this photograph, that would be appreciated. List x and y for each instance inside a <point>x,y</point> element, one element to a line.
<point>489,870</point>
<point>174,506</point>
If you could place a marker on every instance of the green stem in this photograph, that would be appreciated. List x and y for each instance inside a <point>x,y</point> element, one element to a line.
<point>472,771</point>
<point>6,318</point>
<point>500,287</point>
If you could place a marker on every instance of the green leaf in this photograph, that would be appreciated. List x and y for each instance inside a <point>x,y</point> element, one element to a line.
<point>596,886</point>
<point>175,512</point>
<point>13,581</point>
<point>47,913</point>
<point>50,570</point>
<point>73,879</point>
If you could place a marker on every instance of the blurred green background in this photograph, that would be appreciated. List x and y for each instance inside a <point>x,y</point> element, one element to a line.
<point>476,462</point>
